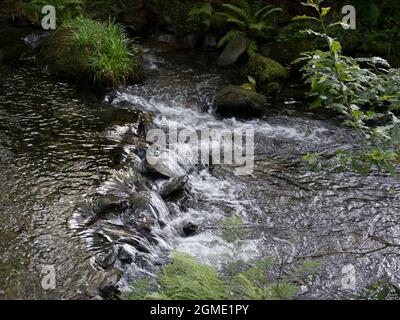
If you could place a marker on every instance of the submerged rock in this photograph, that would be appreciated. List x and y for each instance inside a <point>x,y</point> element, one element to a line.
<point>232,52</point>
<point>189,229</point>
<point>149,204</point>
<point>172,185</point>
<point>237,100</point>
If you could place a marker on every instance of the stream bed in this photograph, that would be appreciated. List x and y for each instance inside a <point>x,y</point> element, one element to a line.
<point>59,150</point>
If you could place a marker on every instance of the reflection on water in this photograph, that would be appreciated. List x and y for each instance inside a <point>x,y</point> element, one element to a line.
<point>53,150</point>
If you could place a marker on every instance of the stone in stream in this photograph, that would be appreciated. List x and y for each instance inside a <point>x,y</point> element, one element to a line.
<point>170,186</point>
<point>147,209</point>
<point>265,71</point>
<point>235,48</point>
<point>189,229</point>
<point>106,258</point>
<point>165,163</point>
<point>237,100</point>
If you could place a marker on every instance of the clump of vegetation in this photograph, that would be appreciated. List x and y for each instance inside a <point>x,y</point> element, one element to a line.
<point>96,51</point>
<point>248,18</point>
<point>383,289</point>
<point>187,279</point>
<point>364,91</point>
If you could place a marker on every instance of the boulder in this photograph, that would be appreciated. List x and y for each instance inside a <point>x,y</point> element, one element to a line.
<point>172,185</point>
<point>235,48</point>
<point>267,72</point>
<point>189,229</point>
<point>237,100</point>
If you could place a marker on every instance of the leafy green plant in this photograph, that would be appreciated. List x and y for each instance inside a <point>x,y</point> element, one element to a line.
<point>186,279</point>
<point>233,229</point>
<point>314,161</point>
<point>200,17</point>
<point>362,90</point>
<point>383,289</point>
<point>250,19</point>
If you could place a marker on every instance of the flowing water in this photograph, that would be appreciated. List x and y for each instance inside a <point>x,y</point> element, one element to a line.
<point>58,151</point>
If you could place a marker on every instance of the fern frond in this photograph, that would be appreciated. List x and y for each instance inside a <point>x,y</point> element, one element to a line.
<point>258,27</point>
<point>270,12</point>
<point>241,13</point>
<point>229,36</point>
<point>252,48</point>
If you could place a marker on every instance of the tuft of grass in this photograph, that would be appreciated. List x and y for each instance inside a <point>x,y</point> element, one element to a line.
<point>111,58</point>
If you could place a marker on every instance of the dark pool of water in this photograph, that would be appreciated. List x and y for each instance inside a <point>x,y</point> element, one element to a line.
<point>53,150</point>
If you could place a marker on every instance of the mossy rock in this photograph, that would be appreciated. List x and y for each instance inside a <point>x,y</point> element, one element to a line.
<point>272,88</point>
<point>236,100</point>
<point>62,58</point>
<point>264,70</point>
<point>67,60</point>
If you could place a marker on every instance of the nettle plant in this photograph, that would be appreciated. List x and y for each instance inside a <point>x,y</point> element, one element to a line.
<point>365,91</point>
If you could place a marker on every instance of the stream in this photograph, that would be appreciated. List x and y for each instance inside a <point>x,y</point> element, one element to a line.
<point>61,154</point>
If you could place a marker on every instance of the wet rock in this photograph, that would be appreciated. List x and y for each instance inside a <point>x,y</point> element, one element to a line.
<point>165,163</point>
<point>109,291</point>
<point>237,100</point>
<point>166,38</point>
<point>264,70</point>
<point>232,52</point>
<point>210,42</point>
<point>106,258</point>
<point>174,184</point>
<point>191,40</point>
<point>125,255</point>
<point>135,163</point>
<point>189,229</point>
<point>107,233</point>
<point>150,205</point>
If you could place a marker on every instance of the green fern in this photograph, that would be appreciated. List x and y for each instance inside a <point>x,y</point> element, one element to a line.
<point>248,18</point>
<point>186,279</point>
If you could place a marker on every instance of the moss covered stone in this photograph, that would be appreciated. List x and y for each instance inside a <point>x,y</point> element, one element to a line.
<point>237,100</point>
<point>267,72</point>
